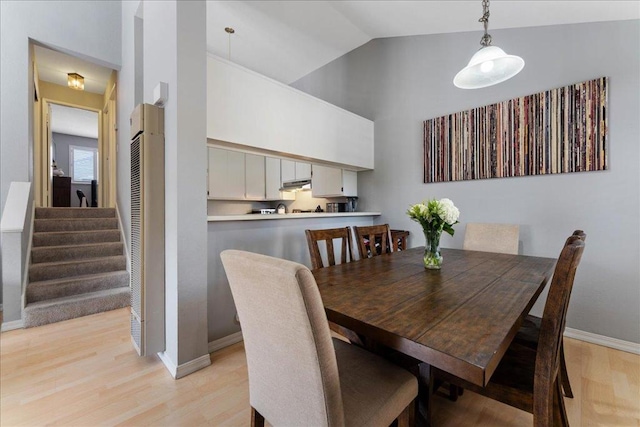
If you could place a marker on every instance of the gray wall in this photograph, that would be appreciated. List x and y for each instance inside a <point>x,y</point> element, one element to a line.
<point>399,82</point>
<point>61,145</point>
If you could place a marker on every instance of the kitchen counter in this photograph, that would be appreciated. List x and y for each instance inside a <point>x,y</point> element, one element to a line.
<point>259,217</point>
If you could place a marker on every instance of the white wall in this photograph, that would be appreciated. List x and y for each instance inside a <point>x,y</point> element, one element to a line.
<point>87,29</point>
<point>399,82</point>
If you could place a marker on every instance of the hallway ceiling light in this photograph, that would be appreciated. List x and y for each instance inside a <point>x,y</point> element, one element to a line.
<point>490,65</point>
<point>75,81</point>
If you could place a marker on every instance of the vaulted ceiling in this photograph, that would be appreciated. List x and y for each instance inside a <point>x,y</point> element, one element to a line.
<point>286,40</point>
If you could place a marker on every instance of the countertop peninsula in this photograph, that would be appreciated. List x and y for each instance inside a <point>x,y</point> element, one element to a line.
<point>269,217</point>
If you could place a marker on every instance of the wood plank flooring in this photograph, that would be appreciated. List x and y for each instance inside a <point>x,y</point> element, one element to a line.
<point>84,372</point>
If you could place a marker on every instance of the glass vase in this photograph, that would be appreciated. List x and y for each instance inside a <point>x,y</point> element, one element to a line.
<point>432,257</point>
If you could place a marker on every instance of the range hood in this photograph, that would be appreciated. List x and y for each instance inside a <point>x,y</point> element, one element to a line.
<point>296,185</point>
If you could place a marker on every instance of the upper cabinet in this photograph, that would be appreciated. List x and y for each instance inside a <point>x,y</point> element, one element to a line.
<point>333,182</point>
<point>226,174</point>
<point>249,109</point>
<point>292,170</point>
<point>234,175</point>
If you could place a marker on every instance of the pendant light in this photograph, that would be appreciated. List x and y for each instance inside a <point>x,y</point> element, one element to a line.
<point>229,31</point>
<point>490,65</point>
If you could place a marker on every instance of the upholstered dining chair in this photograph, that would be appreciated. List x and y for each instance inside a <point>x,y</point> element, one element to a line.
<point>499,238</point>
<point>298,375</point>
<point>373,240</point>
<point>314,237</point>
<point>528,378</point>
<point>529,333</point>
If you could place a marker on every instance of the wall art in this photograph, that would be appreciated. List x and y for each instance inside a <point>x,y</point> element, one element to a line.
<point>556,131</point>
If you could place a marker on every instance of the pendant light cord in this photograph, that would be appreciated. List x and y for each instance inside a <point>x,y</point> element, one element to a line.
<point>486,38</point>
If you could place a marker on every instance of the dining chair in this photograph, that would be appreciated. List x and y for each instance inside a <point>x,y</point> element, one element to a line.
<point>529,333</point>
<point>399,239</point>
<point>373,240</point>
<point>499,238</point>
<point>314,237</point>
<point>298,375</point>
<point>528,378</point>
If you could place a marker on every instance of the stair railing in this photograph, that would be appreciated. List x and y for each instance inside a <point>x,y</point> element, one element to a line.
<point>16,227</point>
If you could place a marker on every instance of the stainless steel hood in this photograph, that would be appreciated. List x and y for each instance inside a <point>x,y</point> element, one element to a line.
<point>296,185</point>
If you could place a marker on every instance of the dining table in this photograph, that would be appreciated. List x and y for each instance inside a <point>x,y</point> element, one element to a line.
<point>460,318</point>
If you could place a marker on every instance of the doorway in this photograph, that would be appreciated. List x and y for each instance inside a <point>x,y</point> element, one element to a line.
<point>74,156</point>
<point>73,135</point>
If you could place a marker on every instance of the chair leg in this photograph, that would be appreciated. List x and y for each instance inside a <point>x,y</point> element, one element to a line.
<point>257,420</point>
<point>407,417</point>
<point>561,409</point>
<point>453,392</point>
<point>564,374</point>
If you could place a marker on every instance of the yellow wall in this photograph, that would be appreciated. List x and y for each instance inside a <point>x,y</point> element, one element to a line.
<point>54,92</point>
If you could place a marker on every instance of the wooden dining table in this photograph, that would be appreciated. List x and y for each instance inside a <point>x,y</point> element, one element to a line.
<point>460,319</point>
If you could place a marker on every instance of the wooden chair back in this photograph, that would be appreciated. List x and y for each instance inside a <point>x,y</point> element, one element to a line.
<point>552,328</point>
<point>498,238</point>
<point>373,240</point>
<point>399,239</point>
<point>314,237</point>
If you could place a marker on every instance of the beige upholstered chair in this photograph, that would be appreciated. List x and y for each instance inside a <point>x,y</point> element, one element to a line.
<point>298,375</point>
<point>499,238</point>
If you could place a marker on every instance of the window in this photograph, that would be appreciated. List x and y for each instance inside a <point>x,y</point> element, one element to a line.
<point>83,164</point>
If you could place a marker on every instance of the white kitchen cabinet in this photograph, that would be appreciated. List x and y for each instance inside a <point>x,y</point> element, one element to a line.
<point>333,182</point>
<point>226,174</point>
<point>249,109</point>
<point>303,170</point>
<point>255,177</point>
<point>292,170</point>
<point>274,183</point>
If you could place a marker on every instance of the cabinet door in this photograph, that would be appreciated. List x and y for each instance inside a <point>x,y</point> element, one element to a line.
<point>326,181</point>
<point>254,177</point>
<point>303,170</point>
<point>272,174</point>
<point>349,183</point>
<point>226,174</point>
<point>288,170</point>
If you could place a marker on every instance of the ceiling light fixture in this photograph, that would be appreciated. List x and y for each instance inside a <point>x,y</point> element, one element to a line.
<point>229,31</point>
<point>490,65</point>
<point>75,81</point>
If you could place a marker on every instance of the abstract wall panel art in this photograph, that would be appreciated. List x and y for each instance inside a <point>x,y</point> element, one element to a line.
<point>556,131</point>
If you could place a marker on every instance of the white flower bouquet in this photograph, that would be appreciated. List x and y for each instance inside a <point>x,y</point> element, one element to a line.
<point>435,216</point>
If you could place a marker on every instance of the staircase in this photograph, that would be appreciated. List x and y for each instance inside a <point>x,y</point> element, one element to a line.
<point>77,266</point>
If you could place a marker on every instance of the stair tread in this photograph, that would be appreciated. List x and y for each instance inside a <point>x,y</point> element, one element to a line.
<point>79,261</point>
<point>74,245</point>
<point>75,298</point>
<point>40,233</point>
<point>62,280</point>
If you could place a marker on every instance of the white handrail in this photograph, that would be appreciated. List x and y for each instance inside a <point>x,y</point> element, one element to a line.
<point>15,208</point>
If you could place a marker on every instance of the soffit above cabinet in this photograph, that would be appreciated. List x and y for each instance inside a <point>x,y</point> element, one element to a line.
<point>247,109</point>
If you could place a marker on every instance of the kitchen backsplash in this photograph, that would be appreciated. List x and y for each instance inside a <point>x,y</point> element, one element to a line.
<point>303,201</point>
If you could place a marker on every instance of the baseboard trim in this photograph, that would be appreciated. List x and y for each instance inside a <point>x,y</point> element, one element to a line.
<point>14,324</point>
<point>184,369</point>
<point>628,346</point>
<point>223,342</point>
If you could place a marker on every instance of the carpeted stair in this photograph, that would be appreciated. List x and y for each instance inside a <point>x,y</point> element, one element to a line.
<point>77,266</point>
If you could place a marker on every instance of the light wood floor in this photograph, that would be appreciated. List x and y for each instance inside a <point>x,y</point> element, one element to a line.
<point>84,372</point>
